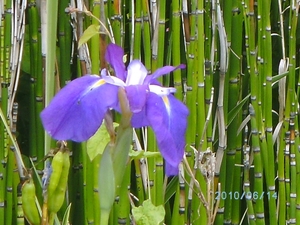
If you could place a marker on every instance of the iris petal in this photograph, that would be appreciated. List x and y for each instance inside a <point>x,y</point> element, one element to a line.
<point>136,73</point>
<point>140,119</point>
<point>160,72</point>
<point>168,118</point>
<point>136,95</point>
<point>114,56</point>
<point>77,111</point>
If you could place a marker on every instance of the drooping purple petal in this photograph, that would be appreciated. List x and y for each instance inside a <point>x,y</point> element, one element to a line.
<point>140,119</point>
<point>160,72</point>
<point>114,56</point>
<point>137,95</point>
<point>168,118</point>
<point>77,111</point>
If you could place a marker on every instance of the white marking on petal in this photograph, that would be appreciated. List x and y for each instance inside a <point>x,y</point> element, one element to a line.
<point>161,91</point>
<point>136,73</point>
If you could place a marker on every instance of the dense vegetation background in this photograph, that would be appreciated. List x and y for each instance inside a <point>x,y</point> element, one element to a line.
<point>241,86</point>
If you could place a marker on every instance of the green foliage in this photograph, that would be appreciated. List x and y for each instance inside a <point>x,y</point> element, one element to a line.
<point>97,143</point>
<point>91,31</point>
<point>148,214</point>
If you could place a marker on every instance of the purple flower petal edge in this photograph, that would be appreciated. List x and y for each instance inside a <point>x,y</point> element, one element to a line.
<point>77,111</point>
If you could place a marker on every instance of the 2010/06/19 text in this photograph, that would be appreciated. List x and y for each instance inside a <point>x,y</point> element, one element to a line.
<point>247,195</point>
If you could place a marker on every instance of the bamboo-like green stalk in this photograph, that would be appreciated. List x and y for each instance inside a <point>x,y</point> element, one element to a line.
<point>233,25</point>
<point>146,35</point>
<point>266,49</point>
<point>281,179</point>
<point>64,42</point>
<point>177,215</point>
<point>293,172</point>
<point>281,201</point>
<point>2,155</point>
<point>176,46</point>
<point>291,109</point>
<point>76,186</point>
<point>287,174</point>
<point>220,112</point>
<point>191,82</point>
<point>5,48</point>
<point>35,136</point>
<point>158,40</point>
<point>247,191</point>
<point>9,184</point>
<point>137,29</point>
<point>117,22</point>
<point>95,40</point>
<point>191,96</point>
<point>297,158</point>
<point>18,199</point>
<point>234,75</point>
<point>257,194</point>
<point>255,109</point>
<point>122,205</point>
<point>201,112</point>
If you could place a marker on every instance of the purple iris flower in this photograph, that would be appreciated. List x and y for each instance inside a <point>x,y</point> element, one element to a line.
<point>77,111</point>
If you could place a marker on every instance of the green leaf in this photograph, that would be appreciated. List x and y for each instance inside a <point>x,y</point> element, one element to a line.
<point>106,184</point>
<point>88,34</point>
<point>97,143</point>
<point>120,152</point>
<point>233,113</point>
<point>142,154</point>
<point>171,188</point>
<point>66,217</point>
<point>148,214</point>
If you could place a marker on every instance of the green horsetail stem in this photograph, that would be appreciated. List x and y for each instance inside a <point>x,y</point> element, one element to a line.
<point>257,193</point>
<point>137,8</point>
<point>2,143</point>
<point>146,34</point>
<point>293,172</point>
<point>95,40</point>
<point>234,79</point>
<point>176,31</point>
<point>246,184</point>
<point>266,69</point>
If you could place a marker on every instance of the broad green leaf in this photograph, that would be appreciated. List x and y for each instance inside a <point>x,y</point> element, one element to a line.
<point>97,143</point>
<point>88,34</point>
<point>141,154</point>
<point>106,184</point>
<point>148,214</point>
